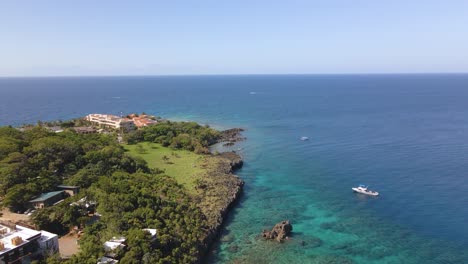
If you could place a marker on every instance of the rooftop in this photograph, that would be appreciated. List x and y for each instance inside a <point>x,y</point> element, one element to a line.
<point>114,243</point>
<point>84,129</point>
<point>67,186</point>
<point>45,196</point>
<point>46,235</point>
<point>153,232</point>
<point>109,117</point>
<point>143,121</point>
<point>106,260</point>
<point>55,129</point>
<point>8,233</point>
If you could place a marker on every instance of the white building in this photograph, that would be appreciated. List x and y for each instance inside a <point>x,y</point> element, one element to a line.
<point>118,243</point>
<point>19,244</point>
<point>111,121</point>
<point>106,260</point>
<point>114,243</point>
<point>153,232</point>
<point>48,242</point>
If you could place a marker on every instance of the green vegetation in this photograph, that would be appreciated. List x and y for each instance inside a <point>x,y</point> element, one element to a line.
<point>35,161</point>
<point>153,181</point>
<point>177,135</point>
<point>64,124</point>
<point>131,202</point>
<point>184,166</point>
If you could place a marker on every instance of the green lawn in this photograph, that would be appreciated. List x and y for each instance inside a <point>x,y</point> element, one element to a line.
<point>183,165</point>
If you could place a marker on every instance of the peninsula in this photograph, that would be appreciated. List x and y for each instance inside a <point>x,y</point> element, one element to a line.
<point>148,192</point>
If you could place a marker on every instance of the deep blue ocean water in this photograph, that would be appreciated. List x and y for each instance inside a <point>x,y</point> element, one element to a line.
<point>404,135</point>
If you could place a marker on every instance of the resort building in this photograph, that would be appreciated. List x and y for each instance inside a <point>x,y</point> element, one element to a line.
<point>142,120</point>
<point>20,244</point>
<point>111,121</point>
<point>48,199</point>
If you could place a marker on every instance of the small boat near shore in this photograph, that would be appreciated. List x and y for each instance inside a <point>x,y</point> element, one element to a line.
<point>363,189</point>
<point>304,138</point>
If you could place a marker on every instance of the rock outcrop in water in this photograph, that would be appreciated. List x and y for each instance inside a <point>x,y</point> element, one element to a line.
<point>231,136</point>
<point>279,232</point>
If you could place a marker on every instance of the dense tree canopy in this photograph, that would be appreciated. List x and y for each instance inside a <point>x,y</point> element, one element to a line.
<point>129,196</point>
<point>180,135</point>
<point>129,203</point>
<point>36,160</point>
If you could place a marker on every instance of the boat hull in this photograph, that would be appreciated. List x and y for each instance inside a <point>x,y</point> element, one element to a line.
<point>365,192</point>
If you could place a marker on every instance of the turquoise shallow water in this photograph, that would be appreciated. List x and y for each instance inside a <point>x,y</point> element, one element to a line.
<point>405,135</point>
<point>335,229</point>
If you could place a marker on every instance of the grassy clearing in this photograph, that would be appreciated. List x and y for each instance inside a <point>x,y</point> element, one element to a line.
<point>182,165</point>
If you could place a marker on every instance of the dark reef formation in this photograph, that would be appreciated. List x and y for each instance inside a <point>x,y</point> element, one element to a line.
<point>231,136</point>
<point>279,232</point>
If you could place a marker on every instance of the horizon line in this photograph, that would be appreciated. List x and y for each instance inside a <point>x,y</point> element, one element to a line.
<point>227,74</point>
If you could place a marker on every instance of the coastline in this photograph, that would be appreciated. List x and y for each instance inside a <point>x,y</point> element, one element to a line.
<point>228,188</point>
<point>214,191</point>
<point>210,181</point>
<point>308,182</point>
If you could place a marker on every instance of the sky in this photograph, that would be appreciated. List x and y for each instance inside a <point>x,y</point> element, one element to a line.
<point>73,38</point>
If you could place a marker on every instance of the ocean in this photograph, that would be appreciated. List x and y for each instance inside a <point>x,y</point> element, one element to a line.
<point>404,135</point>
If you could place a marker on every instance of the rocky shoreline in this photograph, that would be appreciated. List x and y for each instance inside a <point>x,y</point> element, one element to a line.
<point>219,190</point>
<point>229,137</point>
<point>224,192</point>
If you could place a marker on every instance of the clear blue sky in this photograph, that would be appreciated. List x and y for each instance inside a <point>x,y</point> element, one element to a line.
<point>41,37</point>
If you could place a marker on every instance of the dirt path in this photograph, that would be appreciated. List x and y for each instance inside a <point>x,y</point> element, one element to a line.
<point>13,217</point>
<point>68,245</point>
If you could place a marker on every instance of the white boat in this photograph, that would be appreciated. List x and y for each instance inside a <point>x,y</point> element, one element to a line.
<point>363,189</point>
<point>304,138</point>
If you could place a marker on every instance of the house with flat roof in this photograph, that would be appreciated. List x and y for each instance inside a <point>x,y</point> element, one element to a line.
<point>20,244</point>
<point>48,199</point>
<point>48,243</point>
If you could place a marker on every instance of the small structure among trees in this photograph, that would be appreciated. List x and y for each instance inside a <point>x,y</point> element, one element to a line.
<point>70,189</point>
<point>48,199</point>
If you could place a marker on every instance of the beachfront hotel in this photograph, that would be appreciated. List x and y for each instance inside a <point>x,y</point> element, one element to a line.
<point>111,121</point>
